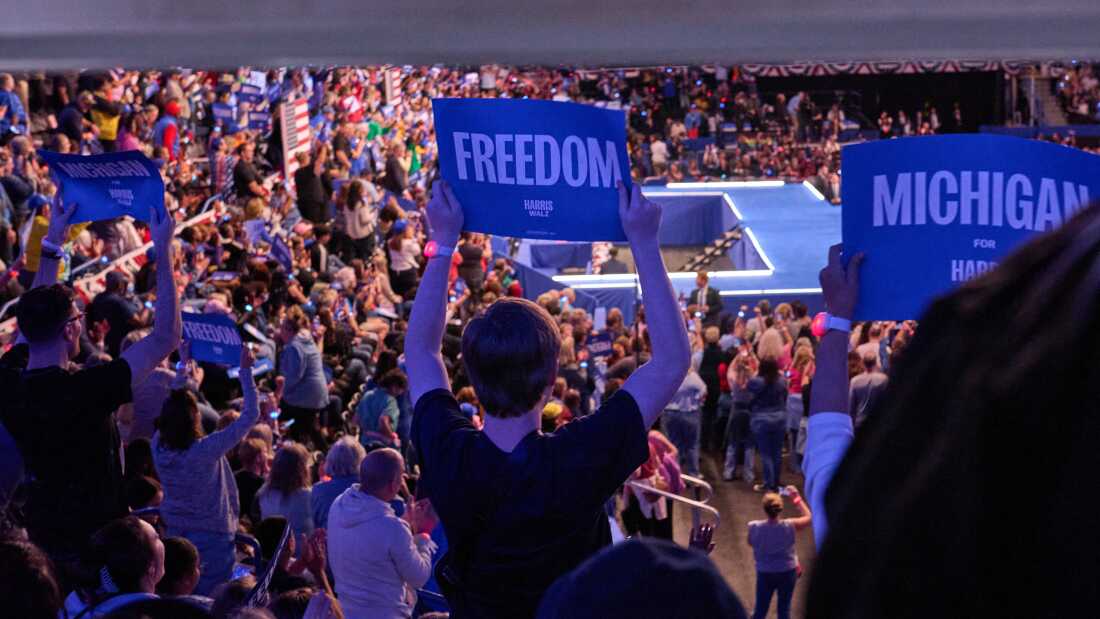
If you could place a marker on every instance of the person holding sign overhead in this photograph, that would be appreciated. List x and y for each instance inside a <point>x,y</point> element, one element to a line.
<point>63,421</point>
<point>524,508</point>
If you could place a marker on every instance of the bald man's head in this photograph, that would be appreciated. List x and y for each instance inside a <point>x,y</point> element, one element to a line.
<point>380,473</point>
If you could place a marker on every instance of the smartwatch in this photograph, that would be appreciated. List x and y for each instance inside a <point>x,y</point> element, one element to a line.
<point>824,322</point>
<point>433,249</point>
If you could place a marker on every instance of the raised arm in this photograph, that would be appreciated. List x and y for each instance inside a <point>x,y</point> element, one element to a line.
<point>806,516</point>
<point>654,384</point>
<point>218,443</point>
<point>830,427</point>
<point>429,313</point>
<point>147,353</point>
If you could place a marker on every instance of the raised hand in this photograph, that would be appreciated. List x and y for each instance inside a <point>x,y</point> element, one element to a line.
<point>60,216</point>
<point>840,285</point>
<point>641,218</point>
<point>445,215</point>
<point>247,358</point>
<point>163,227</point>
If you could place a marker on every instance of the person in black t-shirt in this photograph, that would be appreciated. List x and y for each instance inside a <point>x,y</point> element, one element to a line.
<point>121,314</point>
<point>246,179</point>
<point>309,185</point>
<point>63,421</point>
<point>520,507</point>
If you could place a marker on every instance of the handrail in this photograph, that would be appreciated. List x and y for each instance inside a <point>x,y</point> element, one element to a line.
<point>699,485</point>
<point>696,506</point>
<point>83,284</point>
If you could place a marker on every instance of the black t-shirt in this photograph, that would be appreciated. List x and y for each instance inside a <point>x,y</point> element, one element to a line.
<point>248,484</point>
<point>524,519</point>
<point>64,425</point>
<point>244,174</point>
<point>471,257</point>
<point>396,179</point>
<point>118,312</point>
<point>340,142</point>
<point>311,194</point>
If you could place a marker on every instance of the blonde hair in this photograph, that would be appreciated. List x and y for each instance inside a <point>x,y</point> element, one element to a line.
<point>568,354</point>
<point>803,356</point>
<point>770,345</point>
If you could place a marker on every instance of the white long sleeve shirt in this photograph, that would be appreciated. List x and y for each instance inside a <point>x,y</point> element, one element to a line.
<point>828,438</point>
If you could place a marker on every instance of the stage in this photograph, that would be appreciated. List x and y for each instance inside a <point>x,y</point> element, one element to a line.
<point>784,231</point>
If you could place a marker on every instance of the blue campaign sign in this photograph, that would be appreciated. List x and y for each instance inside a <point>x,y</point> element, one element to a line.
<point>109,185</point>
<point>250,93</point>
<point>535,169</point>
<point>933,212</point>
<point>259,120</point>
<point>214,338</point>
<point>599,345</point>
<point>224,113</point>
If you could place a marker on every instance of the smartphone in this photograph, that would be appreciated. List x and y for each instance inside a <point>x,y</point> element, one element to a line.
<point>698,314</point>
<point>288,423</point>
<point>784,491</point>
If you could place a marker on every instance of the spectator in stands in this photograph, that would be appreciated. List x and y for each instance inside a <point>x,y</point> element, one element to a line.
<point>288,491</point>
<point>13,117</point>
<point>181,568</point>
<point>28,587</point>
<point>201,501</point>
<point>122,314</point>
<point>378,559</point>
<point>309,182</point>
<point>166,132</point>
<point>510,355</point>
<point>342,466</point>
<point>377,413</point>
<point>361,213</point>
<point>305,392</point>
<point>396,179</point>
<point>773,548</point>
<point>255,461</point>
<point>246,179</point>
<point>78,473</point>
<point>72,121</point>
<point>404,253</point>
<point>740,445</point>
<point>127,560</point>
<point>866,389</point>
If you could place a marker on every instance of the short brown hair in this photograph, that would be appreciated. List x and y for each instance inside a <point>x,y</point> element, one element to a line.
<point>42,312</point>
<point>511,356</point>
<point>179,423</point>
<point>250,450</point>
<point>773,504</point>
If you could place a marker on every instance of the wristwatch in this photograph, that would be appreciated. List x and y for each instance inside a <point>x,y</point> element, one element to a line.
<point>433,249</point>
<point>824,322</point>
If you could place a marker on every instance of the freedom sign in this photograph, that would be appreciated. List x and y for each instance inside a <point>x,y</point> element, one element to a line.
<point>534,169</point>
<point>213,337</point>
<point>109,185</point>
<point>933,212</point>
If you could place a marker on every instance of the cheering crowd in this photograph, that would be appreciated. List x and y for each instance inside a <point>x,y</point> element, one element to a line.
<point>402,424</point>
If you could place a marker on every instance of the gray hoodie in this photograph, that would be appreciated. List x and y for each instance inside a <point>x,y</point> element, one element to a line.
<point>375,558</point>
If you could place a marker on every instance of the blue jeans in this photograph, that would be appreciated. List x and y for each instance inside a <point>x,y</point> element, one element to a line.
<point>216,557</point>
<point>682,428</point>
<point>768,583</point>
<point>769,435</point>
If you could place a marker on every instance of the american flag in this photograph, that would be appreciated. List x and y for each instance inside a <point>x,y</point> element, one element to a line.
<point>296,135</point>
